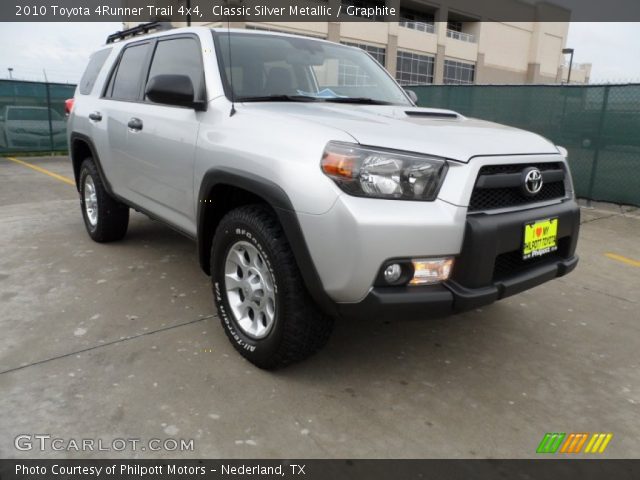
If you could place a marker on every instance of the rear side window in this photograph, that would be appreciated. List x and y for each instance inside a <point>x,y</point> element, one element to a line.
<point>126,81</point>
<point>179,56</point>
<point>93,70</point>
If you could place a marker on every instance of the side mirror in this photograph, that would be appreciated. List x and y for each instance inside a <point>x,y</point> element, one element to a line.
<point>412,95</point>
<point>172,90</point>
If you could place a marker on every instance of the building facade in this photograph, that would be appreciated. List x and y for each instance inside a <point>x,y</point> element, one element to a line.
<point>434,44</point>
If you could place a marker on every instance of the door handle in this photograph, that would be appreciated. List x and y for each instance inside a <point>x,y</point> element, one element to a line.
<point>135,124</point>
<point>95,116</point>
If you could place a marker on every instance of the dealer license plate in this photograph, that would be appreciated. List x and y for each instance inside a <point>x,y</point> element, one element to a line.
<point>540,238</point>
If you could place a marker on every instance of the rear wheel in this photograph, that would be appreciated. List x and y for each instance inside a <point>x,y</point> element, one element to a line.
<point>260,296</point>
<point>105,218</point>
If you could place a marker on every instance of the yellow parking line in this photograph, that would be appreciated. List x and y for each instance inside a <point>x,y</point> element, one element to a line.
<point>620,258</point>
<point>62,178</point>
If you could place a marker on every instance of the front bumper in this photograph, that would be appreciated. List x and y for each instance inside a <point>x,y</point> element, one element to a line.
<point>351,241</point>
<point>488,268</point>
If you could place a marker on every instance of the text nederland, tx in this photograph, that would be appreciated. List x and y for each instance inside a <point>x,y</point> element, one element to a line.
<point>171,469</point>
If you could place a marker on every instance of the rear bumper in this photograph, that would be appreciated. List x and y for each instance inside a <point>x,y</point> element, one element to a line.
<point>488,268</point>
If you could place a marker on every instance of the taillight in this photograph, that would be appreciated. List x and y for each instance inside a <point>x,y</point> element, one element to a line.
<point>68,105</point>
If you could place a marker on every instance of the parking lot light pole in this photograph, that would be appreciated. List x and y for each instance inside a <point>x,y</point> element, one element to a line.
<point>564,52</point>
<point>10,73</point>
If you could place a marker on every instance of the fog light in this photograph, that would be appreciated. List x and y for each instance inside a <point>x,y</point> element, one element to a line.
<point>428,271</point>
<point>392,273</point>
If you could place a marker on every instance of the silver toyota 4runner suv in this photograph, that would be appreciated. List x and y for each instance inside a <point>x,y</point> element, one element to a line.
<point>313,185</point>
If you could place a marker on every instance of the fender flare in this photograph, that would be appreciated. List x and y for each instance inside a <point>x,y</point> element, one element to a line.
<point>278,199</point>
<point>75,136</point>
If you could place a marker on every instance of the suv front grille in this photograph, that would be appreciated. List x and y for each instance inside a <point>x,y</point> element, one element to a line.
<point>488,198</point>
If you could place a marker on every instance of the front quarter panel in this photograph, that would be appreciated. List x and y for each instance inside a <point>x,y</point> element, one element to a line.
<point>278,149</point>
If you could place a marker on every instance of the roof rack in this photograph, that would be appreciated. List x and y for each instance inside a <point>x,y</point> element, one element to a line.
<point>141,29</point>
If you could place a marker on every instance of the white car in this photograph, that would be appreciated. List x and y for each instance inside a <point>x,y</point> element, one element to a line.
<point>30,128</point>
<point>313,185</point>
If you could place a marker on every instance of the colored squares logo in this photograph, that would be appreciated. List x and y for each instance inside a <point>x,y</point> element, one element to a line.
<point>550,442</point>
<point>574,443</point>
<point>598,443</point>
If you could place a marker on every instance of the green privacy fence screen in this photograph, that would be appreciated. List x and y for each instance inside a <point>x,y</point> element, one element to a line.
<point>599,125</point>
<point>32,116</point>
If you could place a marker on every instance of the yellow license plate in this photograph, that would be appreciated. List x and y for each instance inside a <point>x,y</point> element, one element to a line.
<point>540,238</point>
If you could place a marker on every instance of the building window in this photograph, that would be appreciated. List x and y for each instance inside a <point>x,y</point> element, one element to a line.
<point>454,26</point>
<point>459,73</point>
<point>263,29</point>
<point>414,69</point>
<point>360,4</point>
<point>423,22</point>
<point>352,75</point>
<point>455,30</point>
<point>378,53</point>
<point>275,30</point>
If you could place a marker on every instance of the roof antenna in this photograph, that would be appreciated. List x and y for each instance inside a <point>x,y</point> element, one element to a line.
<point>233,95</point>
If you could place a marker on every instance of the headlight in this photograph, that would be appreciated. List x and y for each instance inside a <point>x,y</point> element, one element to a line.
<point>371,172</point>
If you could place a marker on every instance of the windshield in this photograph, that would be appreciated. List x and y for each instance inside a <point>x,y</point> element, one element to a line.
<point>271,67</point>
<point>34,113</point>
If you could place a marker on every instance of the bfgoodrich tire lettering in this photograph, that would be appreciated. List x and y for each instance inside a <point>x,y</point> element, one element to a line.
<point>105,218</point>
<point>299,328</point>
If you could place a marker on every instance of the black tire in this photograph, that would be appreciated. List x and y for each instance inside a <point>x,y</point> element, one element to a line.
<point>299,328</point>
<point>113,216</point>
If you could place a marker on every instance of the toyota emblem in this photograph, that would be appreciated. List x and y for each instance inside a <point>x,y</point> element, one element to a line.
<point>532,181</point>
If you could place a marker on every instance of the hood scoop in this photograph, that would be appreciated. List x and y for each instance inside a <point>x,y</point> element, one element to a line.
<point>431,114</point>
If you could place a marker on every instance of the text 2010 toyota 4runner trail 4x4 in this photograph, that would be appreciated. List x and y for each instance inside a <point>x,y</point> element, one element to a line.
<point>312,183</point>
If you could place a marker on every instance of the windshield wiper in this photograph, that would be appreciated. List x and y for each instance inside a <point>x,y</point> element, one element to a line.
<point>307,98</point>
<point>278,98</point>
<point>362,100</point>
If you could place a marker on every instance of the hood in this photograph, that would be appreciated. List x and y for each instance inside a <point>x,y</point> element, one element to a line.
<point>431,131</point>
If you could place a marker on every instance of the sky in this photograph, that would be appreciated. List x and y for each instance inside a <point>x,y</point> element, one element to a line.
<point>62,49</point>
<point>612,49</point>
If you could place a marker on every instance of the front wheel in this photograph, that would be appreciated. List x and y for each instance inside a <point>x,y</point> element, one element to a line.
<point>262,303</point>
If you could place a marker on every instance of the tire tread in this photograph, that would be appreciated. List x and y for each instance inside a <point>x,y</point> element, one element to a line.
<point>113,216</point>
<point>306,328</point>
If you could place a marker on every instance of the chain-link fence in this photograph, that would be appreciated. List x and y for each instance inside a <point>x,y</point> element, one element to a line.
<point>32,116</point>
<point>599,125</point>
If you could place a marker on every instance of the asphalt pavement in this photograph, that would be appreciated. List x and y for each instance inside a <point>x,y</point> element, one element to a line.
<point>122,341</point>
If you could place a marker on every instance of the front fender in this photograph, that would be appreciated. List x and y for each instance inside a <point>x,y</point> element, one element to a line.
<point>279,201</point>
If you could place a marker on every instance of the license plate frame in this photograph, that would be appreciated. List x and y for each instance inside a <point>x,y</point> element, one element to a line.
<point>540,237</point>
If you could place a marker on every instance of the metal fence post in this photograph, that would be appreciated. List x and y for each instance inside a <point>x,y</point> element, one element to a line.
<point>564,92</point>
<point>596,154</point>
<point>49,117</point>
